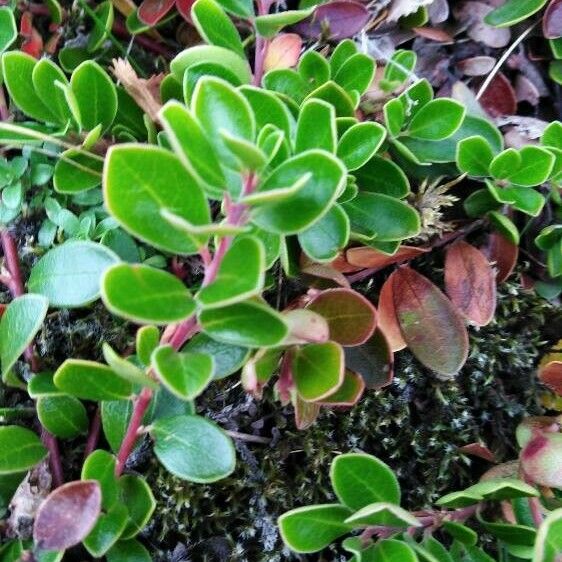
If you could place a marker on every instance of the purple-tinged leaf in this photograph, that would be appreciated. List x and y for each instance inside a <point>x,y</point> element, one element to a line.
<point>151,12</point>
<point>552,20</point>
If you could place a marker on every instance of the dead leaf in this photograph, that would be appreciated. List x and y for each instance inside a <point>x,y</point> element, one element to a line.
<point>367,257</point>
<point>551,375</point>
<point>476,66</point>
<point>473,14</point>
<point>499,97</point>
<point>552,20</point>
<point>388,322</point>
<point>503,254</point>
<point>401,8</point>
<point>433,34</point>
<point>478,450</point>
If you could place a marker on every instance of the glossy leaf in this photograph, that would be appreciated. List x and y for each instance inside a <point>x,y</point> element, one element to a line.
<point>392,550</point>
<point>137,496</point>
<point>513,11</point>
<point>382,513</point>
<point>349,393</point>
<point>77,171</point>
<point>269,25</point>
<point>21,321</point>
<point>437,120</point>
<point>359,143</point>
<point>45,76</point>
<point>127,370</point>
<point>430,324</point>
<point>388,321</point>
<point>67,515</point>
<point>20,449</point>
<point>474,155</point>
<point>144,294</point>
<point>470,283</point>
<point>91,381</point>
<point>63,416</point>
<point>356,73</point>
<point>100,466</point>
<point>107,530</point>
<point>380,175</point>
<point>549,538</point>
<point>69,275</point>
<point>316,127</point>
<point>128,551</point>
<point>536,165</point>
<point>193,448</point>
<point>9,32</point>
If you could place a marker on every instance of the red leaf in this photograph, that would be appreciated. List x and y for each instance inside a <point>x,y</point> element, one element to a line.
<point>349,393</point>
<point>478,450</point>
<point>351,317</point>
<point>67,515</point>
<point>432,327</point>
<point>552,20</point>
<point>342,265</point>
<point>373,360</point>
<point>551,375</point>
<point>283,51</point>
<point>184,8</point>
<point>388,322</point>
<point>26,24</point>
<point>499,97</point>
<point>338,20</point>
<point>370,258</point>
<point>503,253</point>
<point>470,282</point>
<point>151,12</point>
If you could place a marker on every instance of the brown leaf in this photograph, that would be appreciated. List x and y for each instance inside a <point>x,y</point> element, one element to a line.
<point>551,375</point>
<point>433,34</point>
<point>305,412</point>
<point>367,257</point>
<point>552,20</point>
<point>476,66</point>
<point>478,450</point>
<point>470,282</point>
<point>283,51</point>
<point>499,97</point>
<point>503,254</point>
<point>67,515</point>
<point>146,92</point>
<point>388,322</point>
<point>343,266</point>
<point>432,327</point>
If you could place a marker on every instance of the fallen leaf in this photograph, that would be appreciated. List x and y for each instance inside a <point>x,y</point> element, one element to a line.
<point>499,97</point>
<point>552,20</point>
<point>470,282</point>
<point>503,254</point>
<point>478,450</point>
<point>473,14</point>
<point>401,8</point>
<point>551,375</point>
<point>432,327</point>
<point>388,322</point>
<point>283,51</point>
<point>433,34</point>
<point>525,90</point>
<point>476,66</point>
<point>370,258</point>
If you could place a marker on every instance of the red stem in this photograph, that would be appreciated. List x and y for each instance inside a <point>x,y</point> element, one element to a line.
<point>94,434</point>
<point>12,263</point>
<point>262,45</point>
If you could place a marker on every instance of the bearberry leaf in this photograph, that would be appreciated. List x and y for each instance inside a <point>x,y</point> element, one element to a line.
<point>20,449</point>
<point>106,532</point>
<point>513,11</point>
<point>63,416</point>
<point>269,25</point>
<point>137,496</point>
<point>316,127</point>
<point>382,513</point>
<point>380,175</point>
<point>359,143</point>
<point>437,120</point>
<point>100,466</point>
<point>8,28</point>
<point>474,155</point>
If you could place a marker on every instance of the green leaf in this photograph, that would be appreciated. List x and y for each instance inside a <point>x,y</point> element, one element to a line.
<point>549,538</point>
<point>247,324</point>
<point>95,95</point>
<point>63,416</point>
<point>399,67</point>
<point>17,70</point>
<point>504,226</point>
<point>242,8</point>
<point>8,30</point>
<point>437,120</point>
<point>552,135</point>
<point>227,358</point>
<point>193,448</point>
<point>460,499</point>
<point>502,489</point>
<point>126,369</point>
<point>391,550</point>
<point>20,449</point>
<point>77,171</point>
<point>343,51</point>
<point>382,513</point>
<point>145,294</point>
<point>356,73</point>
<point>268,109</point>
<point>100,466</point>
<point>314,68</point>
<point>215,26</point>
<point>45,76</point>
<point>311,202</point>
<point>91,381</point>
<point>147,341</point>
<point>210,54</point>
<point>513,11</point>
<point>359,143</point>
<point>416,96</point>
<point>218,106</point>
<point>269,25</point>
<point>474,156</point>
<point>139,182</point>
<point>394,116</point>
<point>524,199</point>
<point>287,81</point>
<point>481,201</point>
<point>41,384</point>
<point>535,168</point>
<point>325,238</point>
<point>316,127</point>
<point>115,417</point>
<point>240,274</point>
<point>359,480</point>
<point>102,26</point>
<point>20,322</point>
<point>108,529</point>
<point>318,370</point>
<point>186,375</point>
<point>334,94</point>
<point>382,217</point>
<point>461,532</point>
<point>69,275</point>
<point>505,164</point>
<point>249,157</point>
<point>128,551</point>
<point>380,175</point>
<point>312,528</point>
<point>137,496</point>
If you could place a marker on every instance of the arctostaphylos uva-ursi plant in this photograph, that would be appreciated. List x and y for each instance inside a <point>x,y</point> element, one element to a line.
<point>184,201</point>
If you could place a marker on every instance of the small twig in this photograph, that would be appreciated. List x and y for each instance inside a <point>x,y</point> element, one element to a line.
<point>249,438</point>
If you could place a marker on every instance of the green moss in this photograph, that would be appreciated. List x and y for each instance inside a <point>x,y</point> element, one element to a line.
<point>416,425</point>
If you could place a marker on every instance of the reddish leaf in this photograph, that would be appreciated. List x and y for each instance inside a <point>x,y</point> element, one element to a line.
<point>151,12</point>
<point>349,393</point>
<point>541,459</point>
<point>432,327</point>
<point>184,8</point>
<point>470,282</point>
<point>351,317</point>
<point>67,515</point>
<point>373,360</point>
<point>321,275</point>
<point>503,253</point>
<point>26,24</point>
<point>338,20</point>
<point>33,45</point>
<point>551,375</point>
<point>552,20</point>
<point>306,326</point>
<point>388,322</point>
<point>283,51</point>
<point>478,450</point>
<point>370,258</point>
<point>342,265</point>
<point>499,97</point>
<point>433,34</point>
